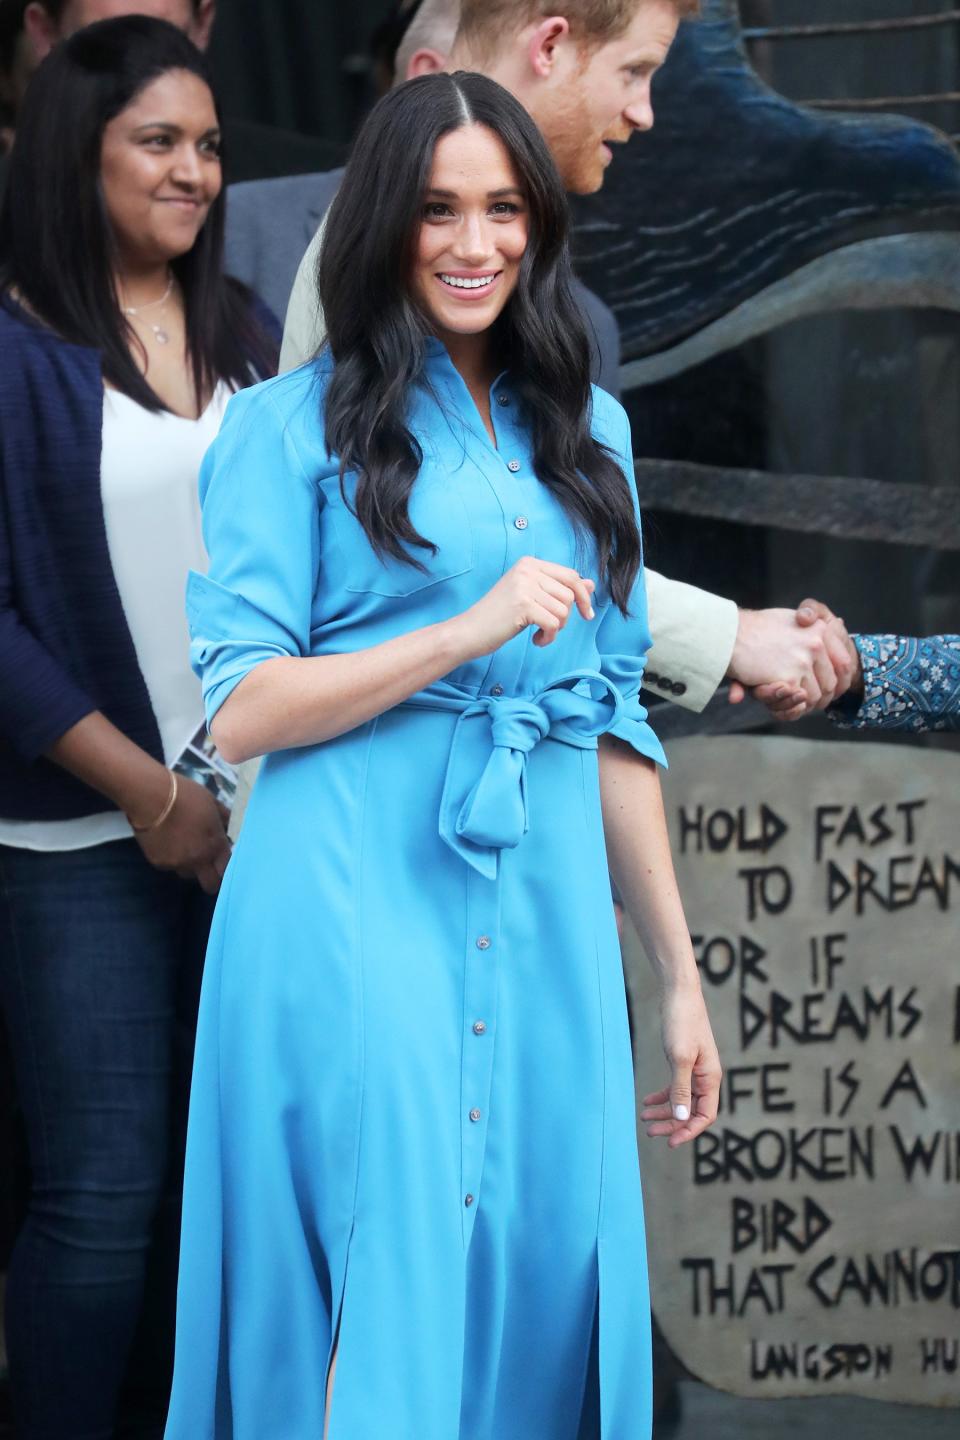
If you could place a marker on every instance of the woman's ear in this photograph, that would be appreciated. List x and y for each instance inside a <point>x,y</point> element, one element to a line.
<point>425,62</point>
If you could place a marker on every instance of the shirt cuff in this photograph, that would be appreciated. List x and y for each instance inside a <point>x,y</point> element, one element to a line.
<point>878,702</point>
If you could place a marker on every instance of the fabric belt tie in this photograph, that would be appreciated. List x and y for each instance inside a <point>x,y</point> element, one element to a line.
<point>485,807</point>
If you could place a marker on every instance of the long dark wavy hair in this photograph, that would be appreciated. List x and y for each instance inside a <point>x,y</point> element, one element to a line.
<point>377,334</point>
<point>57,247</point>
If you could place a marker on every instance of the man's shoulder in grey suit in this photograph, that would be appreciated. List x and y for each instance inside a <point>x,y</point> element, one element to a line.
<point>270,223</point>
<point>604,335</point>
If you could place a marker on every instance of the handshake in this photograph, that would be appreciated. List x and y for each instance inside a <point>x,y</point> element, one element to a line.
<point>809,649</point>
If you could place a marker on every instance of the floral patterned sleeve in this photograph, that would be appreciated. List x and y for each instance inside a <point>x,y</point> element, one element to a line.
<point>908,684</point>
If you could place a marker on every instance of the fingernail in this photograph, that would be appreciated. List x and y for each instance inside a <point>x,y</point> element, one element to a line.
<point>680,1112</point>
<point>806,612</point>
<point>591,615</point>
<point>780,693</point>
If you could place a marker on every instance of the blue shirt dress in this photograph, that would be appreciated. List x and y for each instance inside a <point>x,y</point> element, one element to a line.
<point>412,1123</point>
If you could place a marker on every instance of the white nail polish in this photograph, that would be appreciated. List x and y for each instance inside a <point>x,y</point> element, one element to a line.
<point>680,1112</point>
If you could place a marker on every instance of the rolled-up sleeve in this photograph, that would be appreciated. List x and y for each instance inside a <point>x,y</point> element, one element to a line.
<point>623,640</point>
<point>261,530</point>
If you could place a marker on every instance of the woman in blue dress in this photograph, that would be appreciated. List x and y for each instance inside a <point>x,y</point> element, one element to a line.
<point>413,1203</point>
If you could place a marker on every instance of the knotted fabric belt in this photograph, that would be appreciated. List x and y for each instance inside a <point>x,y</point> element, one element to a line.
<point>484,808</point>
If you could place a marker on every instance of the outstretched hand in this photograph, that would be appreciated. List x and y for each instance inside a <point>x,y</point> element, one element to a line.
<point>843,654</point>
<point>792,661</point>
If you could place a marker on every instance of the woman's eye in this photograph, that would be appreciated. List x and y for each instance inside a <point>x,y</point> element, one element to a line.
<point>157,142</point>
<point>435,210</point>
<point>210,148</point>
<point>505,208</point>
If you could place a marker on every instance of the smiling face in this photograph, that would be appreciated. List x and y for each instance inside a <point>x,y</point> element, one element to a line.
<point>160,169</point>
<point>598,97</point>
<point>473,233</point>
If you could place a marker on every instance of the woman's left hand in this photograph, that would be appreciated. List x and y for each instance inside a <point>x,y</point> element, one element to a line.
<point>684,1109</point>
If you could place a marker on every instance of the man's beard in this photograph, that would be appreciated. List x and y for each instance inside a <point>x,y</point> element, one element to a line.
<point>577,155</point>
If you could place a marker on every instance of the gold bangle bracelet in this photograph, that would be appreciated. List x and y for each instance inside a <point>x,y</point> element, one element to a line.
<point>164,813</point>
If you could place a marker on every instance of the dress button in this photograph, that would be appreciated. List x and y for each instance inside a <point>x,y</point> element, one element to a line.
<point>497,690</point>
<point>479,1028</point>
<point>521,522</point>
<point>513,466</point>
<point>503,399</point>
<point>679,688</point>
<point>474,1116</point>
<point>663,683</point>
<point>468,1201</point>
<point>483,942</point>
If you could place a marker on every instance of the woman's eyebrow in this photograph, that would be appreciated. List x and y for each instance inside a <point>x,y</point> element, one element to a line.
<point>169,128</point>
<point>491,194</point>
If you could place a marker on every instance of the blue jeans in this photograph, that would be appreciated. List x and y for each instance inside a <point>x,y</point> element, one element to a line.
<point>100,964</point>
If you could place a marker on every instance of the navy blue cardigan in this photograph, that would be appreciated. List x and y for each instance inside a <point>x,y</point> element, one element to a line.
<point>65,647</point>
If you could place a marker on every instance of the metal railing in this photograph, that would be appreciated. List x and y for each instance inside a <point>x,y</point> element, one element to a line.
<point>851,27</point>
<point>848,29</point>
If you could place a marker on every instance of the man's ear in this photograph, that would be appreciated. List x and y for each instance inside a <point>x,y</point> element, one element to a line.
<point>41,30</point>
<point>202,27</point>
<point>543,43</point>
<point>425,62</point>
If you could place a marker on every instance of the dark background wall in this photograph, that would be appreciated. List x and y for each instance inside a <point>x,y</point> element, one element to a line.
<point>296,64</point>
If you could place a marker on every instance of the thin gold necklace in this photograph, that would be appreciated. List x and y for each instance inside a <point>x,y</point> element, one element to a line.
<point>161,335</point>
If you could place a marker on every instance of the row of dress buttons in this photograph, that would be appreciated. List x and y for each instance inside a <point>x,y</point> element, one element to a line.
<point>479,1028</point>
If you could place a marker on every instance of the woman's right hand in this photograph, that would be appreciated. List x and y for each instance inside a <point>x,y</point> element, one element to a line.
<point>532,592</point>
<point>193,838</point>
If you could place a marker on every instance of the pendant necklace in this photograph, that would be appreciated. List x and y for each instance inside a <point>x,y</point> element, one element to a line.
<point>161,335</point>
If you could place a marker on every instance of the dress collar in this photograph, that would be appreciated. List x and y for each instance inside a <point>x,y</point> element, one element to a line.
<point>439,366</point>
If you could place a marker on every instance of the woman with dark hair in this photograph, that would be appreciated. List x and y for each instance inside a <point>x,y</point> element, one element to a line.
<point>412,1202</point>
<point>122,343</point>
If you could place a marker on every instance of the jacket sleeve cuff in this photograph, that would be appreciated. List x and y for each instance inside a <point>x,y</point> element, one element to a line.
<point>39,702</point>
<point>37,738</point>
<point>693,635</point>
